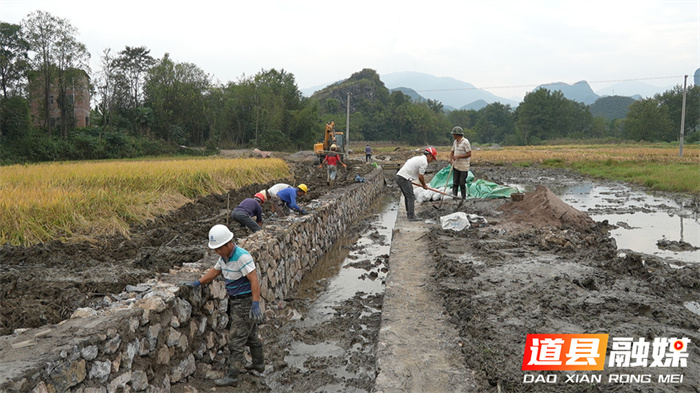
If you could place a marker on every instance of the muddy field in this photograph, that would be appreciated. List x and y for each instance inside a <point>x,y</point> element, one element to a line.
<point>538,266</point>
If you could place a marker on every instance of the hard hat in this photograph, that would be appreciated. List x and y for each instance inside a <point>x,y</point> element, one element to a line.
<point>458,131</point>
<point>219,235</point>
<point>333,147</point>
<point>303,188</point>
<point>431,150</point>
<point>260,196</point>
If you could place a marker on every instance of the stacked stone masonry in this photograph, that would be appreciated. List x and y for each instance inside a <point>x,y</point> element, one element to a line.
<point>157,334</point>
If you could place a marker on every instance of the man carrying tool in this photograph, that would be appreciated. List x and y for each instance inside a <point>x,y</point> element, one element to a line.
<point>243,289</point>
<point>288,196</point>
<point>460,157</point>
<point>414,168</point>
<point>248,208</point>
<point>332,159</point>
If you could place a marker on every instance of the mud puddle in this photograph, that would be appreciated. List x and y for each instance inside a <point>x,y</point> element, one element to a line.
<point>641,222</point>
<point>330,341</point>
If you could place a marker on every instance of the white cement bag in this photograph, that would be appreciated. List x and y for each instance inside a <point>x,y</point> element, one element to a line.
<point>455,221</point>
<point>421,194</point>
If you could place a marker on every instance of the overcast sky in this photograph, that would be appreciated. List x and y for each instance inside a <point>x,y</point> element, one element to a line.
<point>505,47</point>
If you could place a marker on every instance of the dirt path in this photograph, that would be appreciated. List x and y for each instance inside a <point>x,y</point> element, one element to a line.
<point>418,350</point>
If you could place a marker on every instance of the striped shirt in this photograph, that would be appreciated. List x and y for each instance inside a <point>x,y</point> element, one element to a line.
<point>239,265</point>
<point>461,148</point>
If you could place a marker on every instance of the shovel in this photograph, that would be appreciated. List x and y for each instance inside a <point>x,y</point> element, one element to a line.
<point>447,181</point>
<point>434,190</point>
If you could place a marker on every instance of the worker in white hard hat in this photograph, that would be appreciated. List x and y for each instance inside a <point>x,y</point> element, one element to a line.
<point>332,159</point>
<point>243,289</point>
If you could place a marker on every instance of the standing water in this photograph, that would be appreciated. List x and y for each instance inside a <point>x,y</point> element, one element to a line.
<point>332,343</point>
<point>641,219</point>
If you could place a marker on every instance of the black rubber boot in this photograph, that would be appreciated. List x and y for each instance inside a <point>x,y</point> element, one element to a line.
<point>258,363</point>
<point>231,379</point>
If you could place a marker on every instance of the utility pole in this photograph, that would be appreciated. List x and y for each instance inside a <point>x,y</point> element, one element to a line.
<point>685,93</point>
<point>347,128</point>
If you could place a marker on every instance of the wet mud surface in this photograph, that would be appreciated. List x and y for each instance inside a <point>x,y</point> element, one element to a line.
<point>537,266</point>
<point>541,267</point>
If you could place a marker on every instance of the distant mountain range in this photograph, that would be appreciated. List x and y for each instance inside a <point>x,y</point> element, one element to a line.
<point>456,94</point>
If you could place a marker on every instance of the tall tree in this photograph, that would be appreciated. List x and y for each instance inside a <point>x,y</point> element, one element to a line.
<point>648,121</point>
<point>673,100</point>
<point>59,58</point>
<point>495,121</point>
<point>14,58</point>
<point>176,93</point>
<point>134,63</point>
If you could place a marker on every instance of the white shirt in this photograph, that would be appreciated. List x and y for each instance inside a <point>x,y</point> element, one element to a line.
<point>413,167</point>
<point>277,188</point>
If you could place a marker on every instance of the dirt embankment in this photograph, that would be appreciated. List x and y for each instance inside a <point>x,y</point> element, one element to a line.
<point>44,284</point>
<point>540,266</point>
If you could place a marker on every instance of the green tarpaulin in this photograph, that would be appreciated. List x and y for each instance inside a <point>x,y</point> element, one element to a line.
<point>476,188</point>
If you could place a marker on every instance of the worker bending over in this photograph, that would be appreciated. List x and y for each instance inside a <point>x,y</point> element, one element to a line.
<point>248,208</point>
<point>288,196</point>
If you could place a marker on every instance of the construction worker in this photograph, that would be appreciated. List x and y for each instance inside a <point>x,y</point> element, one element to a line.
<point>271,195</point>
<point>243,289</point>
<point>332,159</point>
<point>288,196</point>
<point>413,169</point>
<point>368,153</point>
<point>248,208</point>
<point>460,157</point>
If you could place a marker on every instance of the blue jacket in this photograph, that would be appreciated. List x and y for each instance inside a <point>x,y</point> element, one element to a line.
<point>289,197</point>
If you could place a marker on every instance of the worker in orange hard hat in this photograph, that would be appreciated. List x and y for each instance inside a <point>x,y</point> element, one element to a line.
<point>248,208</point>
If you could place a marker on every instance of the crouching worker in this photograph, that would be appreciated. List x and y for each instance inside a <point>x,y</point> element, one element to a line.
<point>243,289</point>
<point>288,196</point>
<point>247,209</point>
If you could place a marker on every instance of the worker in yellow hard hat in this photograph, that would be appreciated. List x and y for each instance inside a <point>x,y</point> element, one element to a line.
<point>288,196</point>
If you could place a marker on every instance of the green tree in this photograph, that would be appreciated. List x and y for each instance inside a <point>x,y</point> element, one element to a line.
<point>14,117</point>
<point>648,121</point>
<point>134,63</point>
<point>546,114</point>
<point>14,59</point>
<point>60,60</point>
<point>673,101</point>
<point>495,121</point>
<point>176,94</point>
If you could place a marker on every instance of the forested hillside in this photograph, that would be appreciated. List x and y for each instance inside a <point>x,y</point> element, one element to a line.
<point>142,105</point>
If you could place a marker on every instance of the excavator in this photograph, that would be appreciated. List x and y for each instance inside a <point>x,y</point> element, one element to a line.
<point>331,137</point>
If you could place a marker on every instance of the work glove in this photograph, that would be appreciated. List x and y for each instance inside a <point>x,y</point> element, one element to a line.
<point>255,314</point>
<point>302,212</point>
<point>190,284</point>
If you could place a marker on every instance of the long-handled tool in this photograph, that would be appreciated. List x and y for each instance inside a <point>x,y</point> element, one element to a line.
<point>438,191</point>
<point>447,181</point>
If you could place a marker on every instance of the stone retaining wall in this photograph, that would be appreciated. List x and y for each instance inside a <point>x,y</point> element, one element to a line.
<point>157,334</point>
